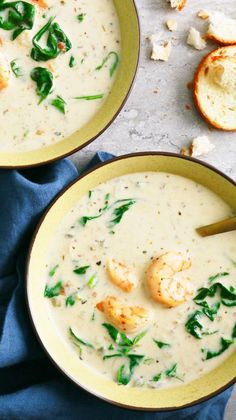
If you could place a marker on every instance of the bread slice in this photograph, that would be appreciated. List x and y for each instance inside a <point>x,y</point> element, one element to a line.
<point>177,4</point>
<point>214,88</point>
<point>222,29</point>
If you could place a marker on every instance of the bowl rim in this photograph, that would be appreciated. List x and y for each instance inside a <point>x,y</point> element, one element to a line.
<point>109,123</point>
<point>27,265</point>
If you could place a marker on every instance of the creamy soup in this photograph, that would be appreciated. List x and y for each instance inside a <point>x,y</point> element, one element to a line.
<point>109,245</point>
<point>76,44</point>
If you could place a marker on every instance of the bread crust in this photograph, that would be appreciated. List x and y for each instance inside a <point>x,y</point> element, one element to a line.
<point>181,5</point>
<point>196,82</point>
<point>220,41</point>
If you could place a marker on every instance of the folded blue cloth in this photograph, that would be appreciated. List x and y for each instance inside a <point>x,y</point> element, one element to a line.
<point>30,386</point>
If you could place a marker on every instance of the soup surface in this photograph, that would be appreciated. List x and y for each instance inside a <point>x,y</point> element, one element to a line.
<point>110,241</point>
<point>78,54</point>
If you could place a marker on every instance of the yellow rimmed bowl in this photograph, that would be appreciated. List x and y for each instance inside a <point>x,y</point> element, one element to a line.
<point>130,47</point>
<point>62,355</point>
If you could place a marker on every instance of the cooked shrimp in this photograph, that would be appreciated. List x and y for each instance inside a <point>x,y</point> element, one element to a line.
<point>125,318</point>
<point>121,275</point>
<point>161,281</point>
<point>4,73</point>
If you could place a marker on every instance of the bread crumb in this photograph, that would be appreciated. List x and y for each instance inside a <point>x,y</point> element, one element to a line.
<point>171,25</point>
<point>177,4</point>
<point>189,85</point>
<point>203,14</point>
<point>200,146</point>
<point>161,52</point>
<point>188,107</point>
<point>195,39</point>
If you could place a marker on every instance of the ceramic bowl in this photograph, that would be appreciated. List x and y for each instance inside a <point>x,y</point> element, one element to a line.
<point>130,45</point>
<point>63,356</point>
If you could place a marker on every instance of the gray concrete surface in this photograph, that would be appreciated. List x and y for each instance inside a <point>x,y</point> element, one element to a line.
<point>155,116</point>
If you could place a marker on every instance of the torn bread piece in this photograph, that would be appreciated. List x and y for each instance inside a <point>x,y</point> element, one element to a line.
<point>177,4</point>
<point>200,146</point>
<point>195,39</point>
<point>5,73</point>
<point>222,29</point>
<point>214,89</point>
<point>160,51</point>
<point>203,14</point>
<point>171,25</point>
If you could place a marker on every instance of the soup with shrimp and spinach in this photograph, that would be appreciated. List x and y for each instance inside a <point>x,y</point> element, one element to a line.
<point>58,62</point>
<point>133,289</point>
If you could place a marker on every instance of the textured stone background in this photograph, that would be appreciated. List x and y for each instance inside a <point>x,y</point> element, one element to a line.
<point>160,121</point>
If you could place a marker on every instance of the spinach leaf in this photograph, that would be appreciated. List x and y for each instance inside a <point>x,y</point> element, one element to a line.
<point>44,80</point>
<point>229,303</point>
<point>161,344</point>
<point>17,16</point>
<point>57,42</point>
<point>125,346</point>
<point>80,341</point>
<point>157,377</point>
<point>15,69</point>
<point>228,296</point>
<point>194,326</point>
<point>170,373</point>
<point>72,61</point>
<point>211,311</point>
<point>234,332</point>
<point>114,64</point>
<point>70,300</point>
<point>121,338</point>
<point>120,211</point>
<point>59,103</point>
<point>92,281</point>
<point>81,17</point>
<point>81,270</point>
<point>138,337</point>
<point>217,276</point>
<point>90,97</point>
<point>53,270</point>
<point>111,347</point>
<point>110,356</point>
<point>51,292</point>
<point>225,344</point>
<point>125,373</point>
<point>85,219</point>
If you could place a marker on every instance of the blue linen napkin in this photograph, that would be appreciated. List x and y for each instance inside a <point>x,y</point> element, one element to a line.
<point>30,386</point>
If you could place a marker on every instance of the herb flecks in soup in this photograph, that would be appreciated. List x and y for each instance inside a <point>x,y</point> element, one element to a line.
<point>58,62</point>
<point>133,289</point>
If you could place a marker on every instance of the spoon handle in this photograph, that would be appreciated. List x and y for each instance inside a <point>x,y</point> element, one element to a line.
<point>224,226</point>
